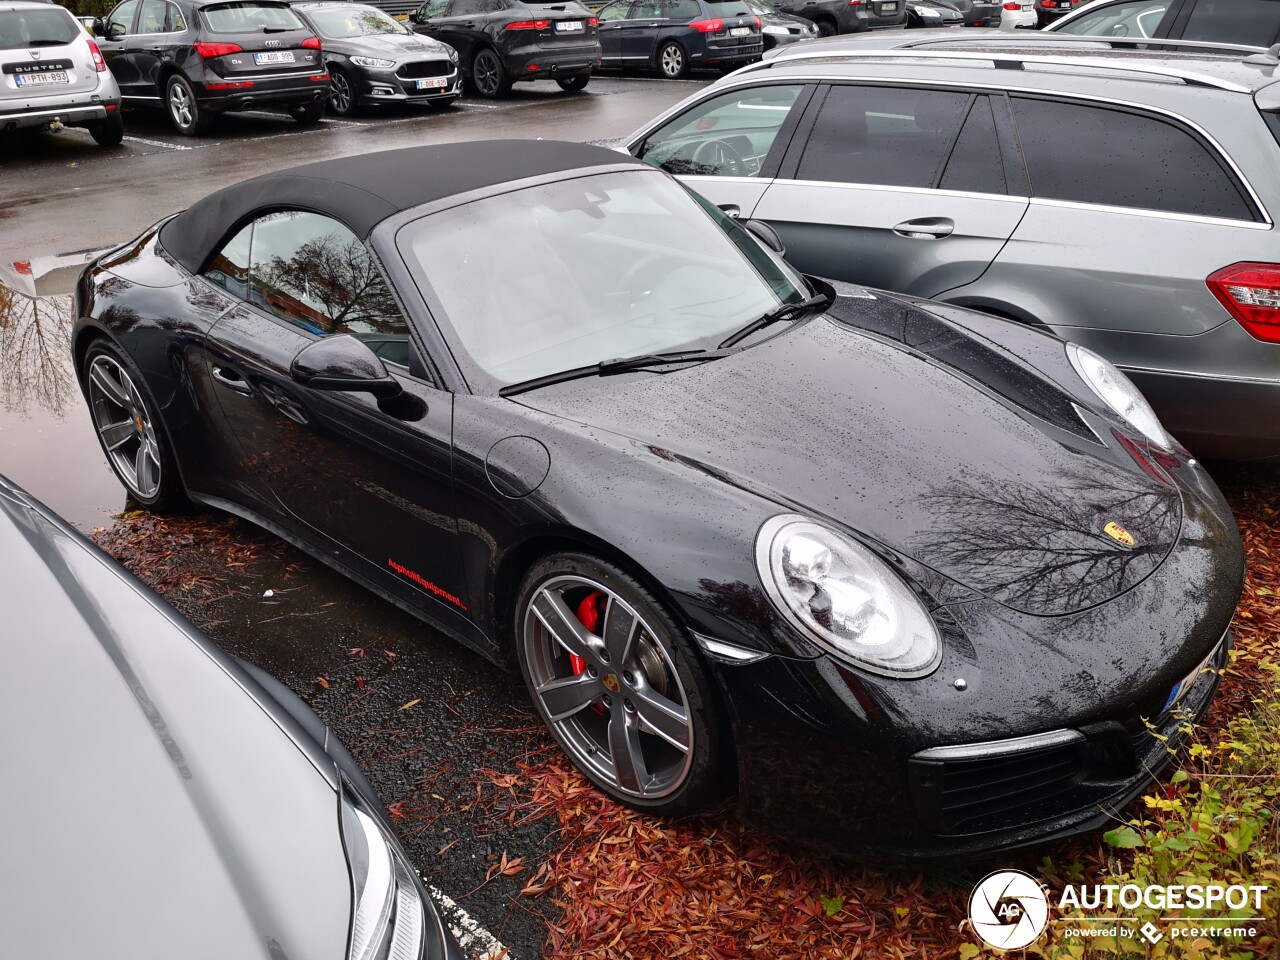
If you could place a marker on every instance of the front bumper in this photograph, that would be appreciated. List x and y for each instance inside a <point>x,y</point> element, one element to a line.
<point>394,86</point>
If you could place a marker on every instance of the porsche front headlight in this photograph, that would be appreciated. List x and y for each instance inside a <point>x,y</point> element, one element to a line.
<point>846,598</point>
<point>1118,392</point>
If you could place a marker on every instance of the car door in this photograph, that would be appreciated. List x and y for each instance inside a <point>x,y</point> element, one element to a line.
<point>613,18</point>
<point>640,30</point>
<point>369,481</point>
<point>159,24</point>
<point>1130,213</point>
<point>903,188</point>
<point>112,42</point>
<point>432,20</point>
<point>728,147</point>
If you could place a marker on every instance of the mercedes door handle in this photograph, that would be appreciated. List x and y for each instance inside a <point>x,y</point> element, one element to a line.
<point>232,380</point>
<point>926,228</point>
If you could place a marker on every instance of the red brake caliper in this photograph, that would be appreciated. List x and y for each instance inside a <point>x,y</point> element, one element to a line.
<point>588,613</point>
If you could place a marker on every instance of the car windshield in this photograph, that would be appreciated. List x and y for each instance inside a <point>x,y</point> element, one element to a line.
<point>568,274</point>
<point>249,17</point>
<point>340,23</point>
<point>36,28</point>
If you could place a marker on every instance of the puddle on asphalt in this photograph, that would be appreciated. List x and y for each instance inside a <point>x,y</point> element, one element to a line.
<point>47,443</point>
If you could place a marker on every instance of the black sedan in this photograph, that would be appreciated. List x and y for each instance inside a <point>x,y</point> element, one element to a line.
<point>501,42</point>
<point>229,821</point>
<point>200,58</point>
<point>919,573</point>
<point>373,59</point>
<point>673,36</point>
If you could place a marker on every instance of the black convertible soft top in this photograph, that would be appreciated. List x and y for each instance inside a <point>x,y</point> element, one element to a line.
<point>363,190</point>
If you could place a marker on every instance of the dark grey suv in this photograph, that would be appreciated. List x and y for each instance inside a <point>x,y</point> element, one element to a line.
<point>848,16</point>
<point>1123,200</point>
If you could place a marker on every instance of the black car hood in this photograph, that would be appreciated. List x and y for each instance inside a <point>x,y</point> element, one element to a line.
<point>149,797</point>
<point>390,46</point>
<point>912,432</point>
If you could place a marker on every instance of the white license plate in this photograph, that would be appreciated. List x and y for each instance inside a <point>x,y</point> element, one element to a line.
<point>434,83</point>
<point>740,32</point>
<point>282,56</point>
<point>35,79</point>
<point>888,8</point>
<point>568,26</point>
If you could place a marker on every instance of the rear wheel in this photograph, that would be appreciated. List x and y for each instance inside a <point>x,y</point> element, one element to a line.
<point>488,75</point>
<point>186,115</point>
<point>109,131</point>
<point>620,686</point>
<point>575,83</point>
<point>826,28</point>
<point>672,62</point>
<point>343,100</point>
<point>129,429</point>
<point>309,114</point>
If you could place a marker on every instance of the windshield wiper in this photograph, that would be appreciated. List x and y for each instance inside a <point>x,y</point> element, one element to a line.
<point>47,43</point>
<point>643,361</point>
<point>786,311</point>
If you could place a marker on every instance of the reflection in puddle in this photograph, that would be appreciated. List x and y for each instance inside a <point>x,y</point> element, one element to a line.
<point>47,444</point>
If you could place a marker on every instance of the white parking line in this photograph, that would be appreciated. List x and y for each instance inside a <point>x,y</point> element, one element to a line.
<point>474,939</point>
<point>156,143</point>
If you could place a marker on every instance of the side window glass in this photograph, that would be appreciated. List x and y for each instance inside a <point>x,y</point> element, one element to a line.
<point>432,9</point>
<point>1092,154</point>
<point>1137,19</point>
<point>882,135</point>
<point>646,10</point>
<point>614,11</point>
<point>463,8</point>
<point>229,268</point>
<point>315,273</point>
<point>120,20</point>
<point>975,164</point>
<point>680,10</point>
<point>727,136</point>
<point>153,16</point>
<point>176,22</point>
<point>1251,22</point>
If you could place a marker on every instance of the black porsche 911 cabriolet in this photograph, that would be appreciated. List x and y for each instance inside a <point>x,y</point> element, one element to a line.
<point>909,577</point>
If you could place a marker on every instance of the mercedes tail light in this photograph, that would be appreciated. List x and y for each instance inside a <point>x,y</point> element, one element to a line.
<point>98,63</point>
<point>528,25</point>
<point>208,51</point>
<point>1251,294</point>
<point>708,26</point>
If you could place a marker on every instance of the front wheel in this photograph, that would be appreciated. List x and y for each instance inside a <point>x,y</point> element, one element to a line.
<point>109,131</point>
<point>309,114</point>
<point>826,28</point>
<point>672,62</point>
<point>343,99</point>
<point>575,83</point>
<point>129,429</point>
<point>187,116</point>
<point>488,75</point>
<point>620,686</point>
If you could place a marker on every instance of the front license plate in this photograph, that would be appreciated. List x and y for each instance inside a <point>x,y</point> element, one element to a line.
<point>740,31</point>
<point>35,79</point>
<point>435,83</point>
<point>283,56</point>
<point>568,26</point>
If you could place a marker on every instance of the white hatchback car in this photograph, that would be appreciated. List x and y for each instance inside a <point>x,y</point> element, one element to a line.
<point>52,73</point>
<point>1019,14</point>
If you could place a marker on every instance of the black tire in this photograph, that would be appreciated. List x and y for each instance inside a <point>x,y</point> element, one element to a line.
<point>188,117</point>
<point>671,61</point>
<point>575,83</point>
<point>109,131</point>
<point>488,76</point>
<point>309,114</point>
<point>663,659</point>
<point>344,101</point>
<point>826,28</point>
<point>169,494</point>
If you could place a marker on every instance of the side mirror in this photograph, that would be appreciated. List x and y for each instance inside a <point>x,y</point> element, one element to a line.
<point>767,235</point>
<point>344,363</point>
<point>92,24</point>
<point>730,210</point>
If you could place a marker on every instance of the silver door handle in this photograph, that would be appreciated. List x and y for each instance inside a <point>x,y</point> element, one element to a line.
<point>925,228</point>
<point>231,380</point>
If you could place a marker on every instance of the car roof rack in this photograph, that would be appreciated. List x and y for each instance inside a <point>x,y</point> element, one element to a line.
<point>1008,61</point>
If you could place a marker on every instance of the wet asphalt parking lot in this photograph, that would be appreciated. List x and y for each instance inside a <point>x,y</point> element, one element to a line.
<point>422,715</point>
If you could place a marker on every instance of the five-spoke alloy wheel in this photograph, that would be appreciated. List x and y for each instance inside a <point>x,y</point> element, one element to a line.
<point>618,685</point>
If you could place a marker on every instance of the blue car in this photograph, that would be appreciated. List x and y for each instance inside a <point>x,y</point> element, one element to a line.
<point>672,36</point>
